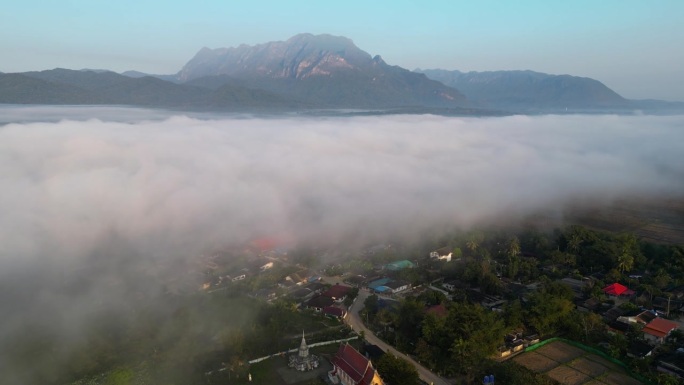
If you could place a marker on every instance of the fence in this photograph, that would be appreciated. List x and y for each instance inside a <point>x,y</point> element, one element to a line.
<point>590,350</point>
<point>254,361</point>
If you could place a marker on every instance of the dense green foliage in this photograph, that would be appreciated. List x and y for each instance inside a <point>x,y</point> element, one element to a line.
<point>396,371</point>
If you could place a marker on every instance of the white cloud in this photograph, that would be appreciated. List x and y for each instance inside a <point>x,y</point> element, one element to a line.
<point>179,184</point>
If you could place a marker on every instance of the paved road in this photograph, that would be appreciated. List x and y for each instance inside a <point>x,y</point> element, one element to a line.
<point>355,322</point>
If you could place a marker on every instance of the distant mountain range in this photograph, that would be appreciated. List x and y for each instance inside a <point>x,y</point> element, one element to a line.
<point>528,90</point>
<point>309,72</point>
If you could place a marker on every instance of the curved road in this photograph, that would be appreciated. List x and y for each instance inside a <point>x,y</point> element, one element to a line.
<point>355,322</point>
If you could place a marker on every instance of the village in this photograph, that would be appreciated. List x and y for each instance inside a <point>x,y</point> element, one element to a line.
<point>527,296</point>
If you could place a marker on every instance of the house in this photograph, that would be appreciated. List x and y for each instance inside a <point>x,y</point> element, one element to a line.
<point>613,313</point>
<point>639,349</point>
<point>316,287</point>
<point>338,292</point>
<point>296,278</point>
<point>334,312</point>
<point>302,294</point>
<point>318,303</point>
<point>575,285</point>
<point>453,285</point>
<point>618,327</point>
<point>617,290</point>
<point>266,266</point>
<point>443,254</point>
<point>238,275</point>
<point>397,286</point>
<point>399,265</point>
<point>531,339</point>
<point>657,330</point>
<point>351,368</point>
<point>378,282</point>
<point>641,317</point>
<point>588,305</point>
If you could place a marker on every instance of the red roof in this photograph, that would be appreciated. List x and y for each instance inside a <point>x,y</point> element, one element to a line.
<point>615,289</point>
<point>438,310</point>
<point>337,291</point>
<point>659,327</point>
<point>335,311</point>
<point>354,364</point>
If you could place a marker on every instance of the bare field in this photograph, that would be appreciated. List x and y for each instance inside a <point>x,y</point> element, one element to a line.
<point>567,375</point>
<point>589,367</point>
<point>535,362</point>
<point>570,365</point>
<point>560,352</point>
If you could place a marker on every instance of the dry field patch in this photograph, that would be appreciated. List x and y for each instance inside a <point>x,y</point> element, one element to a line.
<point>570,365</point>
<point>560,352</point>
<point>567,375</point>
<point>535,362</point>
<point>588,367</point>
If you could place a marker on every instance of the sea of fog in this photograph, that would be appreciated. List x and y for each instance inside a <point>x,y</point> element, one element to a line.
<point>165,182</point>
<point>101,207</point>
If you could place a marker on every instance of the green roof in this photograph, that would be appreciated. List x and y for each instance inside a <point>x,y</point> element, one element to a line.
<point>399,265</point>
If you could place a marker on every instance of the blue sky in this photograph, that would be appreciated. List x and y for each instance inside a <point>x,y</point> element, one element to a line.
<point>634,47</point>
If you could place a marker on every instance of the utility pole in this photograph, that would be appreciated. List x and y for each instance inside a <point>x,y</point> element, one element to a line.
<point>669,297</point>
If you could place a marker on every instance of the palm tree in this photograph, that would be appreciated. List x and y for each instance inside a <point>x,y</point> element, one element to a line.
<point>513,247</point>
<point>625,261</point>
<point>575,243</point>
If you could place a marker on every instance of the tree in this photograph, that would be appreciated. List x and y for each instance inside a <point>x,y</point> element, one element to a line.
<point>396,371</point>
<point>548,311</point>
<point>353,293</point>
<point>474,241</point>
<point>370,304</point>
<point>575,243</point>
<point>513,248</point>
<point>476,333</point>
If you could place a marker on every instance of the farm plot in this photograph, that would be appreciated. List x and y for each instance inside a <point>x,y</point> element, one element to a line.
<point>560,352</point>
<point>570,365</point>
<point>588,367</point>
<point>535,362</point>
<point>567,375</point>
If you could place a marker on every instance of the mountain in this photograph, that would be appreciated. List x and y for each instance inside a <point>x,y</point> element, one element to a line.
<point>530,91</point>
<point>325,70</point>
<point>138,74</point>
<point>22,89</point>
<point>62,86</point>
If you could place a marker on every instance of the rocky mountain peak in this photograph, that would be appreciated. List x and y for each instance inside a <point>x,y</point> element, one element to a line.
<point>301,56</point>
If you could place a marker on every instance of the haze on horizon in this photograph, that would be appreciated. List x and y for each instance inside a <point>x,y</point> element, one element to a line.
<point>631,46</point>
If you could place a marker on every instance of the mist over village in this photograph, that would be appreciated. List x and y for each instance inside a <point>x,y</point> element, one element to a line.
<point>289,193</point>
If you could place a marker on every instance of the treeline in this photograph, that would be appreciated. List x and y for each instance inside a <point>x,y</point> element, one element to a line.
<point>459,339</point>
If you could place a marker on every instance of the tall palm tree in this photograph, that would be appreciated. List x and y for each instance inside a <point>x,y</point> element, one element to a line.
<point>575,243</point>
<point>513,248</point>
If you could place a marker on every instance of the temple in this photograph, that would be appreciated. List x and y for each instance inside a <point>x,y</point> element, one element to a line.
<point>351,368</point>
<point>302,360</point>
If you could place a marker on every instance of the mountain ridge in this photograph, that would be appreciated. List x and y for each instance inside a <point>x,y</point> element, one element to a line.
<point>527,89</point>
<point>307,66</point>
<point>321,72</point>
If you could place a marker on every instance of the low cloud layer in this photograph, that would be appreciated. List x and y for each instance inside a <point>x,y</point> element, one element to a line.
<point>98,216</point>
<point>180,184</point>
